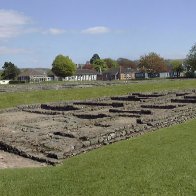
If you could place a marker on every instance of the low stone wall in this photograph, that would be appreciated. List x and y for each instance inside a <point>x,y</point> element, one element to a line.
<point>51,132</point>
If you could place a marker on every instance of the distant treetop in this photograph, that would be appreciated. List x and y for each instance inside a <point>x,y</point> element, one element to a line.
<point>123,62</point>
<point>10,71</point>
<point>191,59</point>
<point>94,57</point>
<point>152,63</point>
<point>63,66</point>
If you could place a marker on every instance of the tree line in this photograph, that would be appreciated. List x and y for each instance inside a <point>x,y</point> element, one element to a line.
<point>150,63</point>
<point>63,66</point>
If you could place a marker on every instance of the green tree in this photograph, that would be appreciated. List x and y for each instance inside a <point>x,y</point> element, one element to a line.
<point>152,63</point>
<point>10,71</point>
<point>94,57</point>
<point>177,67</point>
<point>63,66</point>
<point>100,65</point>
<point>111,63</point>
<point>191,59</point>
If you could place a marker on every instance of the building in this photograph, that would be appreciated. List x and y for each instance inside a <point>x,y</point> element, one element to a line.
<point>33,76</point>
<point>164,75</point>
<point>119,73</point>
<point>4,81</point>
<point>127,73</point>
<point>111,74</point>
<point>82,75</point>
<point>141,75</point>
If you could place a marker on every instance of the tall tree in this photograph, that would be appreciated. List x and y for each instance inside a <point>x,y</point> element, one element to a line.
<point>177,67</point>
<point>100,65</point>
<point>123,62</point>
<point>111,63</point>
<point>94,57</point>
<point>191,59</point>
<point>152,63</point>
<point>63,66</point>
<point>10,71</point>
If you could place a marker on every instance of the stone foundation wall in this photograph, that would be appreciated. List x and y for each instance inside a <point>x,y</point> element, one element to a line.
<point>51,132</point>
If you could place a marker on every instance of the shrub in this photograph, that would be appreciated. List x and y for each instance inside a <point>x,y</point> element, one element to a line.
<point>190,74</point>
<point>16,82</point>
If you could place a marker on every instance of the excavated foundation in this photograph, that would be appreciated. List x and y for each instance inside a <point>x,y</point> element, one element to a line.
<point>52,132</point>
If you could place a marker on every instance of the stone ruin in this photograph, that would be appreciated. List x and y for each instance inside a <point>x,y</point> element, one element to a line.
<point>52,132</point>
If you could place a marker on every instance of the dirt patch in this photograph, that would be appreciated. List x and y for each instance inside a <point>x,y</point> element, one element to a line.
<point>8,160</point>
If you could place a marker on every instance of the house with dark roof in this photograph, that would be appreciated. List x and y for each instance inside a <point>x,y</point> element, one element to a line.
<point>111,74</point>
<point>119,73</point>
<point>127,73</point>
<point>33,76</point>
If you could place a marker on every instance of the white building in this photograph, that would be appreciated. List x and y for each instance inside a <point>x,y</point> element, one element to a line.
<point>4,81</point>
<point>33,76</point>
<point>82,75</point>
<point>164,75</point>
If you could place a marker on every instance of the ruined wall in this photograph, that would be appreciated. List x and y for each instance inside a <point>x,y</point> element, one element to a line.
<point>54,131</point>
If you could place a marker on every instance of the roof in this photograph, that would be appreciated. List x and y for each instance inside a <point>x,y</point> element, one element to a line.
<point>32,72</point>
<point>127,70</point>
<point>112,71</point>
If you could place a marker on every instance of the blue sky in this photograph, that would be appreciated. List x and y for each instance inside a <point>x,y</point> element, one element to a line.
<point>33,32</point>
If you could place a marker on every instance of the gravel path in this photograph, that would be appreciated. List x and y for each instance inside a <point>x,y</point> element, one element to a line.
<point>8,160</point>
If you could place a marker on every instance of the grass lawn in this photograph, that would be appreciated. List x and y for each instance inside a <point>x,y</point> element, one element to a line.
<point>13,99</point>
<point>157,163</point>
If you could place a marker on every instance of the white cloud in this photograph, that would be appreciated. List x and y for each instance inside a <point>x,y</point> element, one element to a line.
<point>96,30</point>
<point>12,51</point>
<point>54,31</point>
<point>12,23</point>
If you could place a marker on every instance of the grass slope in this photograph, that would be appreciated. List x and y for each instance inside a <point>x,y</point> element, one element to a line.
<point>13,99</point>
<point>157,163</point>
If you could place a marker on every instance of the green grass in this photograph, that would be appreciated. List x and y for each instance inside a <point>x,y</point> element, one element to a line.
<point>157,163</point>
<point>8,100</point>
